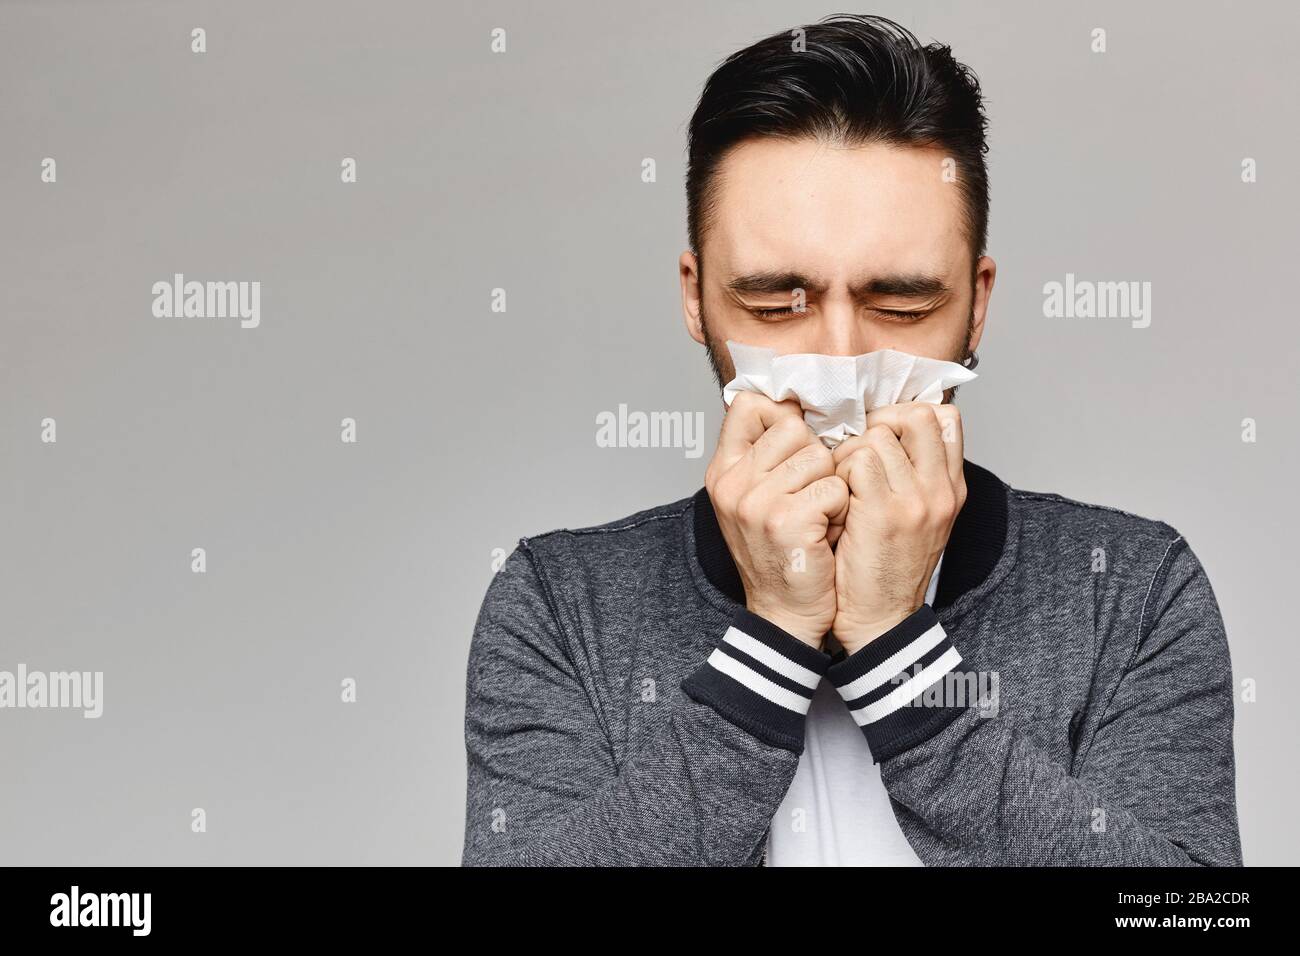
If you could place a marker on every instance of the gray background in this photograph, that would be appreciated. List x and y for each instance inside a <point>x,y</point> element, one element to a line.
<point>522,171</point>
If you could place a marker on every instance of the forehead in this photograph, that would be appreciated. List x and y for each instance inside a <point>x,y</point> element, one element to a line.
<point>815,208</point>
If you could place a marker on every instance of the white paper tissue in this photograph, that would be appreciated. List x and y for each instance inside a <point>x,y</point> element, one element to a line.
<point>837,391</point>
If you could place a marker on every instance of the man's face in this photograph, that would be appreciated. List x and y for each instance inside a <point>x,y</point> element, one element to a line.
<point>871,234</point>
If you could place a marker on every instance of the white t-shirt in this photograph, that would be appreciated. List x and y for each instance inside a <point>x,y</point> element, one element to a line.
<point>837,811</point>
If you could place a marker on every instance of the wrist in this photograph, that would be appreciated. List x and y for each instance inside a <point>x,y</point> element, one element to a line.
<point>802,629</point>
<point>897,686</point>
<point>761,678</point>
<point>853,635</point>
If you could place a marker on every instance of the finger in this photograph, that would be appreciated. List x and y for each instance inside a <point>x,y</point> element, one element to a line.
<point>864,473</point>
<point>839,518</point>
<point>848,447</point>
<point>954,442</point>
<point>775,446</point>
<point>748,417</point>
<point>829,496</point>
<point>917,428</point>
<point>899,471</point>
<point>808,464</point>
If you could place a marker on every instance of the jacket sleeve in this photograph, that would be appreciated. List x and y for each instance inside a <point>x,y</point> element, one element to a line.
<point>544,786</point>
<point>1153,785</point>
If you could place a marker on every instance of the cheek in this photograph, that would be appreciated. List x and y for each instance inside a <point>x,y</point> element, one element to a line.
<point>921,338</point>
<point>939,336</point>
<point>740,325</point>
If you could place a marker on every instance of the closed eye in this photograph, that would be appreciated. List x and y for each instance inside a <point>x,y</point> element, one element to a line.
<point>898,315</point>
<point>893,315</point>
<point>777,313</point>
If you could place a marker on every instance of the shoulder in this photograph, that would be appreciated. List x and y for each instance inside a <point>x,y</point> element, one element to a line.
<point>619,554</point>
<point>1145,557</point>
<point>551,577</point>
<point>1047,514</point>
<point>646,522</point>
<point>600,541</point>
<point>1135,571</point>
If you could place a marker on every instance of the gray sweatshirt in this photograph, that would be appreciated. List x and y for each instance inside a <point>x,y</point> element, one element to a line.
<point>1067,699</point>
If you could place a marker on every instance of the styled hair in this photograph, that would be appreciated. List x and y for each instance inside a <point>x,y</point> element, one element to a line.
<point>856,80</point>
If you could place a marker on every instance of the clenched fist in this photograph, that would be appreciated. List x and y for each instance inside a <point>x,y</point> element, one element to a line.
<point>775,489</point>
<point>907,486</point>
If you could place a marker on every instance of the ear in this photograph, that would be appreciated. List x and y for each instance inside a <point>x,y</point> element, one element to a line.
<point>688,267</point>
<point>986,271</point>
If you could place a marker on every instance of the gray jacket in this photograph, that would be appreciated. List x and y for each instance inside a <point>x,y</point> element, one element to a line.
<point>622,707</point>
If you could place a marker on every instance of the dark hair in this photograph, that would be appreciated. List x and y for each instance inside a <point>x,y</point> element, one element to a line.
<point>859,79</point>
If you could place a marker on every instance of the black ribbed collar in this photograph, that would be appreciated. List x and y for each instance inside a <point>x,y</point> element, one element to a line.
<point>974,547</point>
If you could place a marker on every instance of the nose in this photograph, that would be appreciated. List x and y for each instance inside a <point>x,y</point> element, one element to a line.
<point>840,331</point>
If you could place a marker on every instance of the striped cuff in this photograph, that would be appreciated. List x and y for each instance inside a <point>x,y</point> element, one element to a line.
<point>761,679</point>
<point>885,684</point>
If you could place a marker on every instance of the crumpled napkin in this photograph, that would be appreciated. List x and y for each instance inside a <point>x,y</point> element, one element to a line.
<point>837,391</point>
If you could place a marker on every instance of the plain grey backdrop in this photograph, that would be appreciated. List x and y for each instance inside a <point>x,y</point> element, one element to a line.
<point>522,171</point>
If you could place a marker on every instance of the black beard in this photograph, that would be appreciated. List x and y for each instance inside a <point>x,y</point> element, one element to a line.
<point>716,358</point>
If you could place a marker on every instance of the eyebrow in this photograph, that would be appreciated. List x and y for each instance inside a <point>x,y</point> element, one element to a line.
<point>912,285</point>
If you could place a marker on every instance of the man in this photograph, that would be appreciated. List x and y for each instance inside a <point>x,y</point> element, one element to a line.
<point>876,654</point>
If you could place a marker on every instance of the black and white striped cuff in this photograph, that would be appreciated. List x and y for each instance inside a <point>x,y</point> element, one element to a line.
<point>885,684</point>
<point>762,679</point>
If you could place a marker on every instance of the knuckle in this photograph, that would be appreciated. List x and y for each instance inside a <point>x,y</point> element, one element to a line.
<point>715,473</point>
<point>949,420</point>
<point>749,510</point>
<point>865,462</point>
<point>827,489</point>
<point>790,427</point>
<point>724,484</point>
<point>846,448</point>
<point>915,513</point>
<point>924,414</point>
<point>878,434</point>
<point>816,459</point>
<point>945,506</point>
<point>796,464</point>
